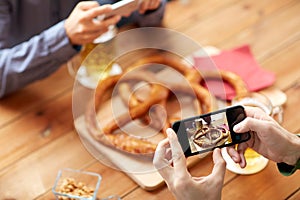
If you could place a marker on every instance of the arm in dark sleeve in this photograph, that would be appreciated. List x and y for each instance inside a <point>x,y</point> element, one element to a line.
<point>288,170</point>
<point>34,59</point>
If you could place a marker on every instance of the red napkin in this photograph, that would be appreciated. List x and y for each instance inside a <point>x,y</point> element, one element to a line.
<point>240,61</point>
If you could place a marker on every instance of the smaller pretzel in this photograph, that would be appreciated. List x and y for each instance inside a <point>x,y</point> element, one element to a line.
<point>233,79</point>
<point>157,93</point>
<point>156,118</point>
<point>122,140</point>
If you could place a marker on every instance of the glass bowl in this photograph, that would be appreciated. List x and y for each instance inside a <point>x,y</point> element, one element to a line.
<point>76,184</point>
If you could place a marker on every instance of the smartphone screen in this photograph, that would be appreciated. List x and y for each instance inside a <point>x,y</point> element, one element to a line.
<point>212,130</point>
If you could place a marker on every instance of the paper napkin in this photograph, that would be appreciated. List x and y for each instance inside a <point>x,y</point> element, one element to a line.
<point>240,61</point>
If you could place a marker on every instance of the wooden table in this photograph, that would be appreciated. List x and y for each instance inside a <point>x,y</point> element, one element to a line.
<point>37,136</point>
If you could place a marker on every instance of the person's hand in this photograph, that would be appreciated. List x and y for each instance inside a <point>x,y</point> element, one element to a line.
<point>148,5</point>
<point>82,26</point>
<point>268,138</point>
<point>170,162</point>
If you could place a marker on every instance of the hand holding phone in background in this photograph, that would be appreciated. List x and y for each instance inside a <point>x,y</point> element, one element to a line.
<point>80,26</point>
<point>82,29</point>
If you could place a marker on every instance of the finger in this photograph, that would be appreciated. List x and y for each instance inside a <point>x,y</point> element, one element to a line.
<point>255,112</point>
<point>218,172</point>
<point>178,157</point>
<point>126,14</point>
<point>235,156</point>
<point>98,11</point>
<point>154,4</point>
<point>249,124</point>
<point>150,4</point>
<point>86,5</point>
<point>112,20</point>
<point>160,163</point>
<point>102,26</point>
<point>241,151</point>
<point>160,152</point>
<point>89,37</point>
<point>143,7</point>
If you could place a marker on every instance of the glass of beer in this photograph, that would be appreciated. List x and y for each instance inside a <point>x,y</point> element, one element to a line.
<point>94,61</point>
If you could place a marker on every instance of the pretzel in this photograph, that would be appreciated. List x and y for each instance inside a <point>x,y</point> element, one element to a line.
<point>193,77</point>
<point>139,108</point>
<point>180,65</point>
<point>158,92</point>
<point>127,95</point>
<point>233,79</point>
<point>208,135</point>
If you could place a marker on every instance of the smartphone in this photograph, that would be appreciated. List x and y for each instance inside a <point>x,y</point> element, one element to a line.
<point>209,131</point>
<point>123,7</point>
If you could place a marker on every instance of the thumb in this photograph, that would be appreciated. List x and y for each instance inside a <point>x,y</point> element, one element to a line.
<point>249,124</point>
<point>178,157</point>
<point>86,5</point>
<point>218,172</point>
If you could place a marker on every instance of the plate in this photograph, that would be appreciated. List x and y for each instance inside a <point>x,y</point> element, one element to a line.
<point>253,168</point>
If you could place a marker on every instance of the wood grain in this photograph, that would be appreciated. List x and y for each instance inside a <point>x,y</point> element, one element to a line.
<point>35,129</point>
<point>37,135</point>
<point>34,95</point>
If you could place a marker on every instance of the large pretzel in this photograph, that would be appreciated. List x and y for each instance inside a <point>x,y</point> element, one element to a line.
<point>139,108</point>
<point>122,140</point>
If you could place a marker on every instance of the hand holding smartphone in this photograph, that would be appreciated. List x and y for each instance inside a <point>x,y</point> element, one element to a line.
<point>209,131</point>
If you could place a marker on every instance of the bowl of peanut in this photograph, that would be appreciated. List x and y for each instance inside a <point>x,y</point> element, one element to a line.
<point>75,184</point>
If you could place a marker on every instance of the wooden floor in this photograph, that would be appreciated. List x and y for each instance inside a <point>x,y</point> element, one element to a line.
<point>37,136</point>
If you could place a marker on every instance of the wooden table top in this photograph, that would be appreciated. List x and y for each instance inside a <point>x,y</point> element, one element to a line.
<point>37,134</point>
